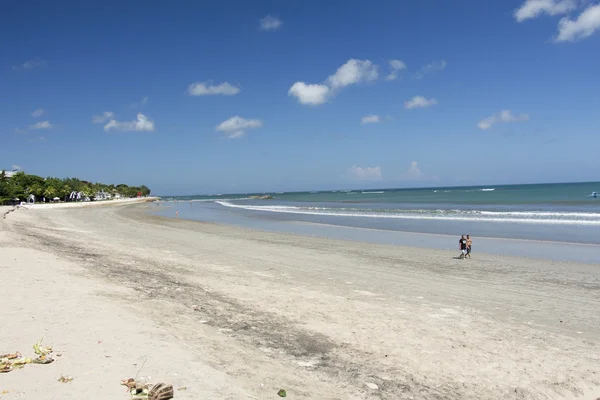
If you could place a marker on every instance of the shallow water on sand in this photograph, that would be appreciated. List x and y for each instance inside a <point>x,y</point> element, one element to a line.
<point>489,237</point>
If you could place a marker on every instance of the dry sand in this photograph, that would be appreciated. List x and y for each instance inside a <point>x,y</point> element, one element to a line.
<point>231,313</point>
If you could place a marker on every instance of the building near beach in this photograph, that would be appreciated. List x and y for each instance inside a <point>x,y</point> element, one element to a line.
<point>8,173</point>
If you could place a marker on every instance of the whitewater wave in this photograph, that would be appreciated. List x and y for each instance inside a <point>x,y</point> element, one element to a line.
<point>373,192</point>
<point>530,217</point>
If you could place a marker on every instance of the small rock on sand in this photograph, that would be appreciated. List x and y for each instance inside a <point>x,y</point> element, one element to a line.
<point>371,386</point>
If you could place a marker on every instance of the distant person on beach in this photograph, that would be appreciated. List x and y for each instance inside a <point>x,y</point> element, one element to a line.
<point>177,213</point>
<point>469,243</point>
<point>463,246</point>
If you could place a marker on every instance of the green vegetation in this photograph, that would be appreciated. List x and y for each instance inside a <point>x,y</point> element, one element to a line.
<point>21,185</point>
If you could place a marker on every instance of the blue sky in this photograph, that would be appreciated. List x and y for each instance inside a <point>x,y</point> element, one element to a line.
<point>236,96</point>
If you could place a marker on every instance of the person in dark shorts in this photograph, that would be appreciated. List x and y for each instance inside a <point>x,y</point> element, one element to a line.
<point>469,243</point>
<point>463,246</point>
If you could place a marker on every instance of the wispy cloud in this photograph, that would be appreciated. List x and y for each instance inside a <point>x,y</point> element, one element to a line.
<point>205,89</point>
<point>235,127</point>
<point>105,116</point>
<point>395,67</point>
<point>572,30</point>
<point>140,103</point>
<point>31,64</point>
<point>16,167</point>
<point>37,113</point>
<point>419,102</point>
<point>270,23</point>
<point>370,119</point>
<point>534,8</point>
<point>37,139</point>
<point>41,125</point>
<point>141,124</point>
<point>365,173</point>
<point>430,68</point>
<point>352,72</point>
<point>414,173</point>
<point>501,117</point>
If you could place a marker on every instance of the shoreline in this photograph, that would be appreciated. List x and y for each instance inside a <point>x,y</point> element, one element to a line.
<point>240,313</point>
<point>80,204</point>
<point>530,248</point>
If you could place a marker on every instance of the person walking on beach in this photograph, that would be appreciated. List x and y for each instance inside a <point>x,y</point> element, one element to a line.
<point>463,247</point>
<point>469,243</point>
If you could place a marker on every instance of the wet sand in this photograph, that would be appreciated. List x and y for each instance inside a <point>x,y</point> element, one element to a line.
<point>234,313</point>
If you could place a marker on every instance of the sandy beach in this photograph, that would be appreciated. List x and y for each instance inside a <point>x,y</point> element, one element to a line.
<point>233,313</point>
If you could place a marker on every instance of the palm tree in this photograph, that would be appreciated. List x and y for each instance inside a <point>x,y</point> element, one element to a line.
<point>50,192</point>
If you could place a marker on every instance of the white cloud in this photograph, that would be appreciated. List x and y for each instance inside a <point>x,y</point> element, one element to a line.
<point>503,116</point>
<point>37,113</point>
<point>365,173</point>
<point>41,125</point>
<point>235,127</point>
<point>534,8</point>
<point>270,23</point>
<point>105,116</point>
<point>370,119</point>
<point>144,100</point>
<point>431,68</point>
<point>141,124</point>
<point>352,72</point>
<point>205,88</point>
<point>312,94</point>
<point>584,26</point>
<point>414,173</point>
<point>37,139</point>
<point>395,66</point>
<point>419,102</point>
<point>31,64</point>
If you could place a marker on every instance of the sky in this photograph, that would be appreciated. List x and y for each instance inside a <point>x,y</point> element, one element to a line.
<point>197,97</point>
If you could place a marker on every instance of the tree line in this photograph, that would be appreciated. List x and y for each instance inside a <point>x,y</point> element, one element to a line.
<point>21,185</point>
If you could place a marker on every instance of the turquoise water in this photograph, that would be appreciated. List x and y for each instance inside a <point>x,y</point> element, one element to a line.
<point>546,212</point>
<point>546,203</point>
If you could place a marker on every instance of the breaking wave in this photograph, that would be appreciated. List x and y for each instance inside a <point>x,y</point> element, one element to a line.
<point>529,217</point>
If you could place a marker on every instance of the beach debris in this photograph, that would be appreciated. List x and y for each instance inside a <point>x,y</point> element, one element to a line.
<point>161,391</point>
<point>282,393</point>
<point>372,386</point>
<point>5,367</point>
<point>140,390</point>
<point>65,378</point>
<point>10,361</point>
<point>7,364</point>
<point>182,388</point>
<point>10,356</point>
<point>41,350</point>
<point>43,360</point>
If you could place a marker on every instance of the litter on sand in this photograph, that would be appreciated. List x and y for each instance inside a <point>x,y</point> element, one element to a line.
<point>9,362</point>
<point>65,378</point>
<point>145,391</point>
<point>282,393</point>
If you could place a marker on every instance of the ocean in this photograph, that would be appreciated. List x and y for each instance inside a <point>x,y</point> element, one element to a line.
<point>564,212</point>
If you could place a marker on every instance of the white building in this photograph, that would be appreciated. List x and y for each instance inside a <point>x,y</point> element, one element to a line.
<point>8,173</point>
